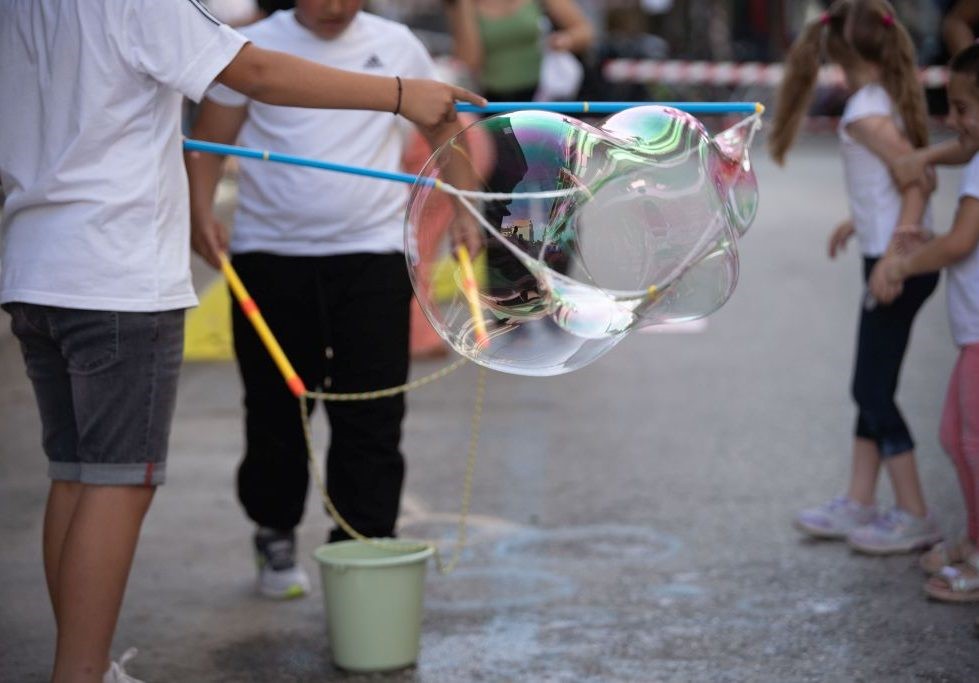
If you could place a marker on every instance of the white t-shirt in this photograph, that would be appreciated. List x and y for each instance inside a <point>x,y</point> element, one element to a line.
<point>875,203</point>
<point>296,211</point>
<point>97,215</point>
<point>962,284</point>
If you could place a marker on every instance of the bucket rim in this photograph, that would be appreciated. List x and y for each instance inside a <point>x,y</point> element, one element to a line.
<point>404,551</point>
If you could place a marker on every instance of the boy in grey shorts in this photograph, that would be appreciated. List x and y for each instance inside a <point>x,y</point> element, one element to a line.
<point>105,384</point>
<point>95,253</point>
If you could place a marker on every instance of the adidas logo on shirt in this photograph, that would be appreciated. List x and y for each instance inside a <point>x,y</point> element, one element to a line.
<point>373,62</point>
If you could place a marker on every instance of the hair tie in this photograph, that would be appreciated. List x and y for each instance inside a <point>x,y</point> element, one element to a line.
<point>888,20</point>
<point>825,18</point>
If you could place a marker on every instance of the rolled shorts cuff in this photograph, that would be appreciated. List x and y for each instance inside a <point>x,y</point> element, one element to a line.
<point>103,474</point>
<point>897,440</point>
<point>891,447</point>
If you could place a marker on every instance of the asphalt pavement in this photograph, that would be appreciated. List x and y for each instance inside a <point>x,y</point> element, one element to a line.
<point>631,520</point>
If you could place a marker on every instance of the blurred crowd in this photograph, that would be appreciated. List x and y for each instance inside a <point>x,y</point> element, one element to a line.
<point>716,30</point>
<point>709,30</point>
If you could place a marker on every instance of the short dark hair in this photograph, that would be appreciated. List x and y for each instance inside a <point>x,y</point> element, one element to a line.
<point>967,62</point>
<point>270,6</point>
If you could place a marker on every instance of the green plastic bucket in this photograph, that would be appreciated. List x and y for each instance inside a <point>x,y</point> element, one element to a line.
<point>373,598</point>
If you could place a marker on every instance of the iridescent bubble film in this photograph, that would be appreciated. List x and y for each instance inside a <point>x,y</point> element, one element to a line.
<point>578,234</point>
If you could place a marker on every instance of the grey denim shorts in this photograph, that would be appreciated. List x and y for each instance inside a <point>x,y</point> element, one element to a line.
<point>106,386</point>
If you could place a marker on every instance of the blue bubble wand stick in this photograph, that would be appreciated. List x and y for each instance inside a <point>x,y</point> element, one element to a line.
<point>470,293</point>
<point>563,107</point>
<point>701,108</point>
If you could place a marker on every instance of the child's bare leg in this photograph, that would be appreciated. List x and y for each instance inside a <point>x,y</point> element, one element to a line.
<point>62,501</point>
<point>95,560</point>
<point>969,483</point>
<point>864,471</point>
<point>903,473</point>
<point>960,432</point>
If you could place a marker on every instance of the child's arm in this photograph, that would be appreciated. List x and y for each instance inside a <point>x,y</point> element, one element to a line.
<point>945,250</point>
<point>468,47</point>
<point>215,123</point>
<point>881,136</point>
<point>840,236</point>
<point>942,251</point>
<point>573,31</point>
<point>278,78</point>
<point>911,168</point>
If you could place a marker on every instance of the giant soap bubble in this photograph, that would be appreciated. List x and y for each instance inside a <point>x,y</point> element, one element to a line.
<point>578,234</point>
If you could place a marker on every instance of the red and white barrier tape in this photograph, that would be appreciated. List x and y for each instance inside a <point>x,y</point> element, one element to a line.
<point>730,73</point>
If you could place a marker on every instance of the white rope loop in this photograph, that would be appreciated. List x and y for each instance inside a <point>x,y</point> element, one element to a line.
<point>444,567</point>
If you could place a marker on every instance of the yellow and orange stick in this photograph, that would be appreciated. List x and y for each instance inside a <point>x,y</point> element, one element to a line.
<point>250,309</point>
<point>471,290</point>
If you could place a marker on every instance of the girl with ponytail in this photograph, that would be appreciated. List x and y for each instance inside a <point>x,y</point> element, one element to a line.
<point>884,119</point>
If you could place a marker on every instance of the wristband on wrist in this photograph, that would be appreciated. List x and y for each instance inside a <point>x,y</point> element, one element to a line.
<point>397,108</point>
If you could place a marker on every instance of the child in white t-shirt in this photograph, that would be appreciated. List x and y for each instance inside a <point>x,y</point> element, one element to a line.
<point>956,567</point>
<point>883,119</point>
<point>95,253</point>
<point>322,254</point>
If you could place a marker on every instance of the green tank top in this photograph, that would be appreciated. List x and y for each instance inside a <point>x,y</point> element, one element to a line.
<point>511,49</point>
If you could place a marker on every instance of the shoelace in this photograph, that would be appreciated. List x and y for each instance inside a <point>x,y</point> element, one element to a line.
<point>890,520</point>
<point>127,657</point>
<point>118,669</point>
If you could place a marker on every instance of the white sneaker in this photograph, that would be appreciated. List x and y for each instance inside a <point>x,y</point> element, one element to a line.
<point>835,518</point>
<point>895,531</point>
<point>279,577</point>
<point>117,670</point>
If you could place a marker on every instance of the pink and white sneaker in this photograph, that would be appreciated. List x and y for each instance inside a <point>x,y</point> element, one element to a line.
<point>895,531</point>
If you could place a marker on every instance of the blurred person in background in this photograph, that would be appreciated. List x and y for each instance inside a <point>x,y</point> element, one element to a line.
<point>503,41</point>
<point>959,25</point>
<point>884,119</point>
<point>323,256</point>
<point>958,22</point>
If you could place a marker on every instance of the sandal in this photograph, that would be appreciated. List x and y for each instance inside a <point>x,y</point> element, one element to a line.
<point>956,584</point>
<point>944,554</point>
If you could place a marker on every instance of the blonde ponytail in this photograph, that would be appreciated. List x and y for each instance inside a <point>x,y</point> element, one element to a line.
<point>899,76</point>
<point>796,89</point>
